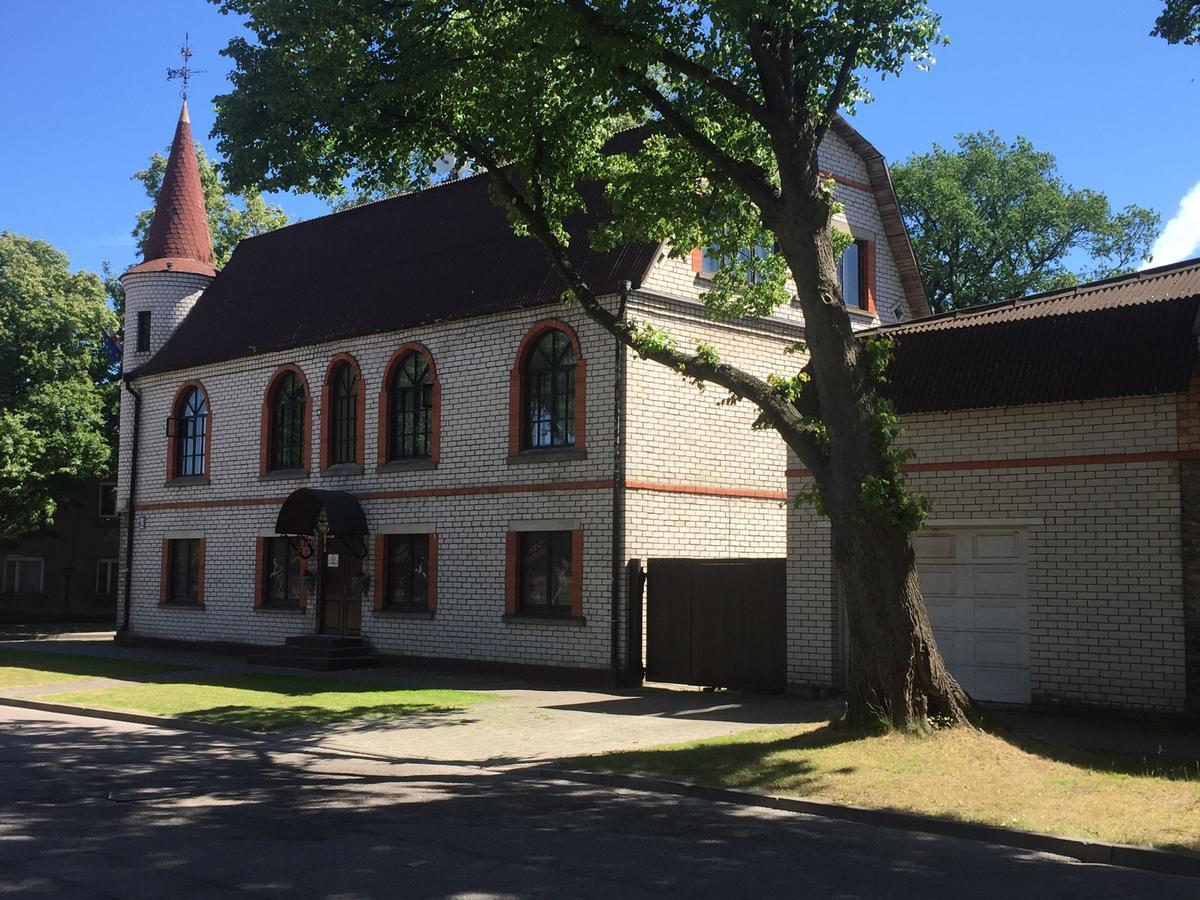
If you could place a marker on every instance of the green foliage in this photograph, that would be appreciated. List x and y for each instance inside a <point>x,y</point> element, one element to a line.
<point>664,104</point>
<point>1179,22</point>
<point>232,216</point>
<point>56,386</point>
<point>990,221</point>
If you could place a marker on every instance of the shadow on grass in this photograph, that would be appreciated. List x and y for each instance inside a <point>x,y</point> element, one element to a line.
<point>88,666</point>
<point>1158,746</point>
<point>736,761</point>
<point>258,718</point>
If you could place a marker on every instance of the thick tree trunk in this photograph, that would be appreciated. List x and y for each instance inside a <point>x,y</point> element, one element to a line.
<point>897,675</point>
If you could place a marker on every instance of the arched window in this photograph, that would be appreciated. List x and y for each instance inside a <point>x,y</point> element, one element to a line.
<point>288,433</point>
<point>191,432</point>
<point>411,408</point>
<point>343,415</point>
<point>549,391</point>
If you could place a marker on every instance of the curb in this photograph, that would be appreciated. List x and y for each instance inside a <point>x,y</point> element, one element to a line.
<point>90,712</point>
<point>1123,855</point>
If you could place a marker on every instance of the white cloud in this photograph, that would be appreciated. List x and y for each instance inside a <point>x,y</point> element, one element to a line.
<point>1180,238</point>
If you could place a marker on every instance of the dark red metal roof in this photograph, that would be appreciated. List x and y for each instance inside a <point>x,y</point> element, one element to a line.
<point>1126,336</point>
<point>179,230</point>
<point>432,256</point>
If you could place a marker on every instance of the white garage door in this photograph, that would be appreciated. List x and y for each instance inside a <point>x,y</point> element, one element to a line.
<point>975,586</point>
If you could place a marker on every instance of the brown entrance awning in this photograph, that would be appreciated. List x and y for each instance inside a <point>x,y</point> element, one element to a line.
<point>302,509</point>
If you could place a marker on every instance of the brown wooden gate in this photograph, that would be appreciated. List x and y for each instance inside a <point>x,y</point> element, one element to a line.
<point>717,622</point>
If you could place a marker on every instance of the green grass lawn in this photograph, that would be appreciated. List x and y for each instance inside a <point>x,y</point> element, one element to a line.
<point>19,668</point>
<point>960,774</point>
<point>271,702</point>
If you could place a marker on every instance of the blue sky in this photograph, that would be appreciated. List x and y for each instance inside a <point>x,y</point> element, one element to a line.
<point>84,102</point>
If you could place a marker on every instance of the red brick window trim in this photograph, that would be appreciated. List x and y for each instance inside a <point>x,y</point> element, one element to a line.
<point>327,416</point>
<point>385,405</point>
<point>264,455</point>
<point>381,577</point>
<point>174,433</point>
<point>518,386</point>
<point>513,575</point>
<point>261,575</point>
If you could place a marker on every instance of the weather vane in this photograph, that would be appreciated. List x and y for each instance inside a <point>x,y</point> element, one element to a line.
<point>185,71</point>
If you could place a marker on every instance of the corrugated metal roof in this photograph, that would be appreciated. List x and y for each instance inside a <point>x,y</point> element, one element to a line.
<point>1127,336</point>
<point>436,255</point>
<point>1173,282</point>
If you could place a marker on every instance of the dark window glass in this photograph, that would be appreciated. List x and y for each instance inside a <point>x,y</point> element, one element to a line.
<point>546,572</point>
<point>411,435</point>
<point>108,499</point>
<point>550,392</point>
<point>408,570</point>
<point>282,573</point>
<point>184,564</point>
<point>106,578</point>
<point>287,423</point>
<point>143,330</point>
<point>22,575</point>
<point>191,426</point>
<point>343,425</point>
<point>850,274</point>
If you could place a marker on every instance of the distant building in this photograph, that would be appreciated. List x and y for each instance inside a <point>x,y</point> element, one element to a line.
<point>66,571</point>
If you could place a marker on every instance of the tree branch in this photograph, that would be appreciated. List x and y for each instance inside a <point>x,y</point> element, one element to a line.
<point>774,410</point>
<point>674,61</point>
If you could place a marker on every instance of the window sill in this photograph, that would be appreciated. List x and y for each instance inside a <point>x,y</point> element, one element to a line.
<point>394,612</point>
<point>407,465</point>
<point>552,454</point>
<point>284,475</point>
<point>175,604</point>
<point>343,469</point>
<point>544,618</point>
<point>860,313</point>
<point>287,610</point>
<point>187,481</point>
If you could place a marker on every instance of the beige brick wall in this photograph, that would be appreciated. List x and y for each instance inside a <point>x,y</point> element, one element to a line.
<point>1102,532</point>
<point>471,497</point>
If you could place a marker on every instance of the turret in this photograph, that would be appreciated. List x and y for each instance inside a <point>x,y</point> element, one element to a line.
<point>179,261</point>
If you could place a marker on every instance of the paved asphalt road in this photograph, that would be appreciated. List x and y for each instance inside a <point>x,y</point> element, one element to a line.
<point>96,809</point>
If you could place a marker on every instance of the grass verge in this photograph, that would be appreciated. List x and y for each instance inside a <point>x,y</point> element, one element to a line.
<point>957,774</point>
<point>20,668</point>
<point>271,702</point>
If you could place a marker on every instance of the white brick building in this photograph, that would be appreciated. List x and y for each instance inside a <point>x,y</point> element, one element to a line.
<point>488,515</point>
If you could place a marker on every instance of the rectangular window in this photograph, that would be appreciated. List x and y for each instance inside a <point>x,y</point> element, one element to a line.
<point>106,578</point>
<point>22,575</point>
<point>408,571</point>
<point>183,575</point>
<point>108,500</point>
<point>143,331</point>
<point>850,274</point>
<point>545,584</point>
<point>282,573</point>
<point>710,262</point>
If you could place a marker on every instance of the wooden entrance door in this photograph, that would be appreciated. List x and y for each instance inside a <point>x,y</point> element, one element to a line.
<point>341,605</point>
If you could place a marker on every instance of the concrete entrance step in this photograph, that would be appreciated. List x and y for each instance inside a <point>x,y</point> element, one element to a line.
<point>319,652</point>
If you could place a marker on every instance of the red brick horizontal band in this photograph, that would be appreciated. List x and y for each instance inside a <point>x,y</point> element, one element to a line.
<point>390,495</point>
<point>1098,459</point>
<point>702,490</point>
<point>849,182</point>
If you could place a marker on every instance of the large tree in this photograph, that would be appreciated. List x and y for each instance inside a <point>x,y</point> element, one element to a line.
<point>733,98</point>
<point>1179,22</point>
<point>56,383</point>
<point>990,221</point>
